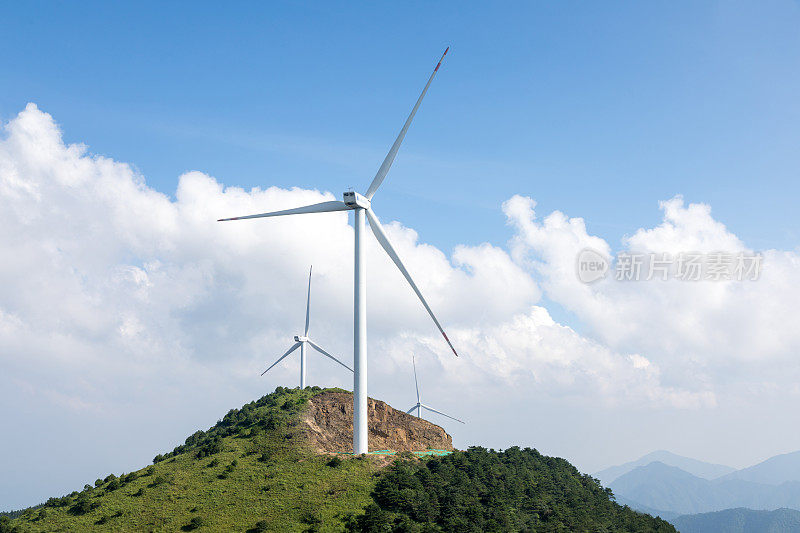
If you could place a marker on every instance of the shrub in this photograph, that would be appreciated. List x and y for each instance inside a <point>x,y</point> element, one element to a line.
<point>214,462</point>
<point>83,505</point>
<point>150,470</point>
<point>158,458</point>
<point>6,527</point>
<point>57,502</point>
<point>194,523</point>
<point>310,519</point>
<point>210,447</point>
<point>334,463</point>
<point>98,482</point>
<point>260,527</point>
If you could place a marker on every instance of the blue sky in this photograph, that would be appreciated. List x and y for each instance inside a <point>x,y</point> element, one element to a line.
<point>598,111</point>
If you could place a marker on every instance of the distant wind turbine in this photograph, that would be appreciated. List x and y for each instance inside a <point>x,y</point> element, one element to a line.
<point>361,207</point>
<point>420,406</point>
<point>302,340</point>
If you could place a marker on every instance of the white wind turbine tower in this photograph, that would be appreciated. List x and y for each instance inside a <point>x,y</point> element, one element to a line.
<point>302,340</point>
<point>360,205</point>
<point>420,406</point>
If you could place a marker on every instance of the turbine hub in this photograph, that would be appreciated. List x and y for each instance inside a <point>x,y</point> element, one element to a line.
<point>300,338</point>
<point>354,200</point>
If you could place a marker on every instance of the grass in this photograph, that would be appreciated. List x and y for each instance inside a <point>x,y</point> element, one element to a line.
<point>257,476</point>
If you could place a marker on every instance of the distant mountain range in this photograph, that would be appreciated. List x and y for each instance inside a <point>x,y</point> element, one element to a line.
<point>740,521</point>
<point>668,488</point>
<point>773,471</point>
<point>699,496</point>
<point>692,466</point>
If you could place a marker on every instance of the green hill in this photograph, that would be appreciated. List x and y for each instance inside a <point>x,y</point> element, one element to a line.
<point>271,466</point>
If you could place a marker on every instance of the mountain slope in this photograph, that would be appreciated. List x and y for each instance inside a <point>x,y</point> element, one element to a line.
<point>661,486</point>
<point>693,466</point>
<point>773,471</point>
<point>273,466</point>
<point>740,521</point>
<point>658,486</point>
<point>250,467</point>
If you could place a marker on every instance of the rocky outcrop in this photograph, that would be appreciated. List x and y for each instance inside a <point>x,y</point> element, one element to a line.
<point>327,424</point>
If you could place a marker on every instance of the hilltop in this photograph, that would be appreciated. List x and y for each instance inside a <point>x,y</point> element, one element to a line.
<point>281,464</point>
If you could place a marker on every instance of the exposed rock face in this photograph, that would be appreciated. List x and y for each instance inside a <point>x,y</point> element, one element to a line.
<point>328,426</point>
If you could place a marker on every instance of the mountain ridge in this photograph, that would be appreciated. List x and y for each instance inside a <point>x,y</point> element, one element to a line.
<point>776,470</point>
<point>695,467</point>
<point>670,489</point>
<point>740,520</point>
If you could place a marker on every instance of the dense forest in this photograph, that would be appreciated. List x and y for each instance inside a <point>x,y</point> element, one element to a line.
<point>484,490</point>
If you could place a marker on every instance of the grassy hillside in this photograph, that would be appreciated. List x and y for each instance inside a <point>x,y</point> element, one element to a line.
<point>254,472</point>
<point>242,472</point>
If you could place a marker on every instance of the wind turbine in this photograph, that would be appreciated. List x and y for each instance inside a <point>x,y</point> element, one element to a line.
<point>361,207</point>
<point>420,406</point>
<point>302,340</point>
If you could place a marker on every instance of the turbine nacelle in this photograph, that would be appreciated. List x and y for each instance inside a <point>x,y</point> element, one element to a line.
<point>353,200</point>
<point>300,338</point>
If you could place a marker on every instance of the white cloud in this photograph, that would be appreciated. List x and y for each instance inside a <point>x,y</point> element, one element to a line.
<point>111,274</point>
<point>706,334</point>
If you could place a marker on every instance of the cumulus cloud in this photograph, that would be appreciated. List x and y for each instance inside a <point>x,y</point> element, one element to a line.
<point>111,280</point>
<point>705,333</point>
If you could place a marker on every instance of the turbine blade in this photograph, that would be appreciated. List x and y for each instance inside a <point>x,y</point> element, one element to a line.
<point>308,301</point>
<point>293,348</point>
<point>322,207</point>
<point>387,163</point>
<point>412,409</point>
<point>441,413</point>
<point>416,383</point>
<point>377,229</point>
<point>323,352</point>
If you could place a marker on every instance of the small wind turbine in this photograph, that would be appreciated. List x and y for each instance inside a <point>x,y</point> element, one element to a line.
<point>361,207</point>
<point>302,340</point>
<point>420,406</point>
